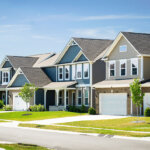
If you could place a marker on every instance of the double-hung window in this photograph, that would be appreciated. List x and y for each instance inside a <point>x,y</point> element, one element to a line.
<point>79,71</point>
<point>67,72</point>
<point>134,66</point>
<point>79,97</point>
<point>86,71</point>
<point>73,72</point>
<point>112,67</point>
<point>5,77</point>
<point>60,98</point>
<point>123,66</point>
<point>86,97</point>
<point>60,73</point>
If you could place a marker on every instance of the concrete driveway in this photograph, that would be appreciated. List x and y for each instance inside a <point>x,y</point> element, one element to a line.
<point>71,119</point>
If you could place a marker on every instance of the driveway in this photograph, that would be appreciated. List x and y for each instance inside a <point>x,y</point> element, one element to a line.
<point>77,118</point>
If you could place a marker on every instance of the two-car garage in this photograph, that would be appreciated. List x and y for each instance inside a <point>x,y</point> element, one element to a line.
<point>113,103</point>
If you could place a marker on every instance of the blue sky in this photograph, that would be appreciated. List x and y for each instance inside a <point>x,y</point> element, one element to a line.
<point>40,26</point>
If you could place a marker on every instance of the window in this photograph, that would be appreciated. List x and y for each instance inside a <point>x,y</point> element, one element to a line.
<point>79,71</point>
<point>123,48</point>
<point>67,72</point>
<point>73,72</point>
<point>123,67</point>
<point>79,97</point>
<point>60,73</point>
<point>67,98</point>
<point>60,98</point>
<point>86,97</point>
<point>134,66</point>
<point>5,76</point>
<point>112,68</point>
<point>86,71</point>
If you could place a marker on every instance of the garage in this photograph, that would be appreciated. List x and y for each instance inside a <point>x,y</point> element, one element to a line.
<point>146,102</point>
<point>18,103</point>
<point>113,104</point>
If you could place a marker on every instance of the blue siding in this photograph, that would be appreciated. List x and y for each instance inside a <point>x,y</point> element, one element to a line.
<point>39,98</point>
<point>82,58</point>
<point>7,64</point>
<point>70,54</point>
<point>20,81</point>
<point>51,73</point>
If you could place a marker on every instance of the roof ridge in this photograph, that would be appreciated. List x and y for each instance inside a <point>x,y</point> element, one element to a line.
<point>20,56</point>
<point>136,32</point>
<point>92,38</point>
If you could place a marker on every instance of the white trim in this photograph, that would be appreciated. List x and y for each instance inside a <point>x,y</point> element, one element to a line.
<point>84,65</point>
<point>83,85</point>
<point>67,67</point>
<point>60,67</point>
<point>8,74</point>
<point>80,69</point>
<point>121,62</point>
<point>73,67</point>
<point>77,56</point>
<point>112,62</point>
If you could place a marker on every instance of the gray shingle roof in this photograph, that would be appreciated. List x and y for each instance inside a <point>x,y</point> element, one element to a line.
<point>93,47</point>
<point>141,41</point>
<point>21,61</point>
<point>36,76</point>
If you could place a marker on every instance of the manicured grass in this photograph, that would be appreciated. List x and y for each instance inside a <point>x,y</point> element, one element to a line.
<point>86,130</point>
<point>21,147</point>
<point>119,124</point>
<point>36,115</point>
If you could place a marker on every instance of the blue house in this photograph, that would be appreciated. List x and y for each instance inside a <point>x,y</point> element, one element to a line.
<point>62,79</point>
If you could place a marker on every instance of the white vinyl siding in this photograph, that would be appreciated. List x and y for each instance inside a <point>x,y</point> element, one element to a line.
<point>85,71</point>
<point>123,67</point>
<point>73,72</point>
<point>67,72</point>
<point>60,73</point>
<point>79,71</point>
<point>134,66</point>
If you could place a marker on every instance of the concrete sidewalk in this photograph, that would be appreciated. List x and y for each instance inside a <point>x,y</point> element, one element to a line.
<point>72,119</point>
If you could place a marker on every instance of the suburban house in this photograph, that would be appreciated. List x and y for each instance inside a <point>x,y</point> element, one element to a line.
<point>127,58</point>
<point>62,79</point>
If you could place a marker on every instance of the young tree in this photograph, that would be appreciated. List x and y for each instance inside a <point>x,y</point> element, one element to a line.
<point>27,92</point>
<point>137,95</point>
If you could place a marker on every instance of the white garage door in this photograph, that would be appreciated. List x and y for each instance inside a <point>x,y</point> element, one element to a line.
<point>146,102</point>
<point>18,103</point>
<point>113,104</point>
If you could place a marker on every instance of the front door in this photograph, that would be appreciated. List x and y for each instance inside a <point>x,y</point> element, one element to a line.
<point>73,98</point>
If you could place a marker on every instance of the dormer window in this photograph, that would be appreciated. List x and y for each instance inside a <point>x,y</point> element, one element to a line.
<point>123,48</point>
<point>112,67</point>
<point>5,77</point>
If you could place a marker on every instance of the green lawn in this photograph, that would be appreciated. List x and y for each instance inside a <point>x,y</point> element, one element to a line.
<point>86,130</point>
<point>119,124</point>
<point>21,147</point>
<point>19,116</point>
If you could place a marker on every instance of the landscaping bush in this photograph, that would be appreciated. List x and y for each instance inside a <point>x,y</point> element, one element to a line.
<point>1,104</point>
<point>80,109</point>
<point>147,112</point>
<point>7,108</point>
<point>91,111</point>
<point>37,108</point>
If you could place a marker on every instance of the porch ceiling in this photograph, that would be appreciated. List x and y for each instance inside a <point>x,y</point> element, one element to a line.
<point>59,85</point>
<point>113,83</point>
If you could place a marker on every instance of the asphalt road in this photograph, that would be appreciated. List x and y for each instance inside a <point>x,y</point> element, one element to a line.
<point>63,141</point>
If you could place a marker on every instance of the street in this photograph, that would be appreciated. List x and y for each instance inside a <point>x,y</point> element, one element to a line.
<point>64,141</point>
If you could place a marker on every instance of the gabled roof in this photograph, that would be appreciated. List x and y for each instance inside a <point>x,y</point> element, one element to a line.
<point>141,41</point>
<point>92,47</point>
<point>21,61</point>
<point>36,76</point>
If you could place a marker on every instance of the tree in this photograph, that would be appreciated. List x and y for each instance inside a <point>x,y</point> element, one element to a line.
<point>136,93</point>
<point>27,92</point>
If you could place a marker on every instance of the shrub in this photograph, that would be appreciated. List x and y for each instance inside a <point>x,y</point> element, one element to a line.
<point>37,108</point>
<point>1,104</point>
<point>7,108</point>
<point>79,109</point>
<point>147,112</point>
<point>83,109</point>
<point>91,111</point>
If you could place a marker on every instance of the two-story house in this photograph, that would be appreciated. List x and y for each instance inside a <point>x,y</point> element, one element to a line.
<point>62,79</point>
<point>127,58</point>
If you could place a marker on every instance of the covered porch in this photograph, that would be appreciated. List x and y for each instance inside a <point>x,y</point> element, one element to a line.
<point>59,95</point>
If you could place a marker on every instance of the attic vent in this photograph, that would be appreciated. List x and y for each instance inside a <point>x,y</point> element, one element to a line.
<point>73,43</point>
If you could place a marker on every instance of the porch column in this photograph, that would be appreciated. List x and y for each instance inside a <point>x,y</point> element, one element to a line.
<point>65,98</point>
<point>45,91</point>
<point>57,97</point>
<point>6,96</point>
